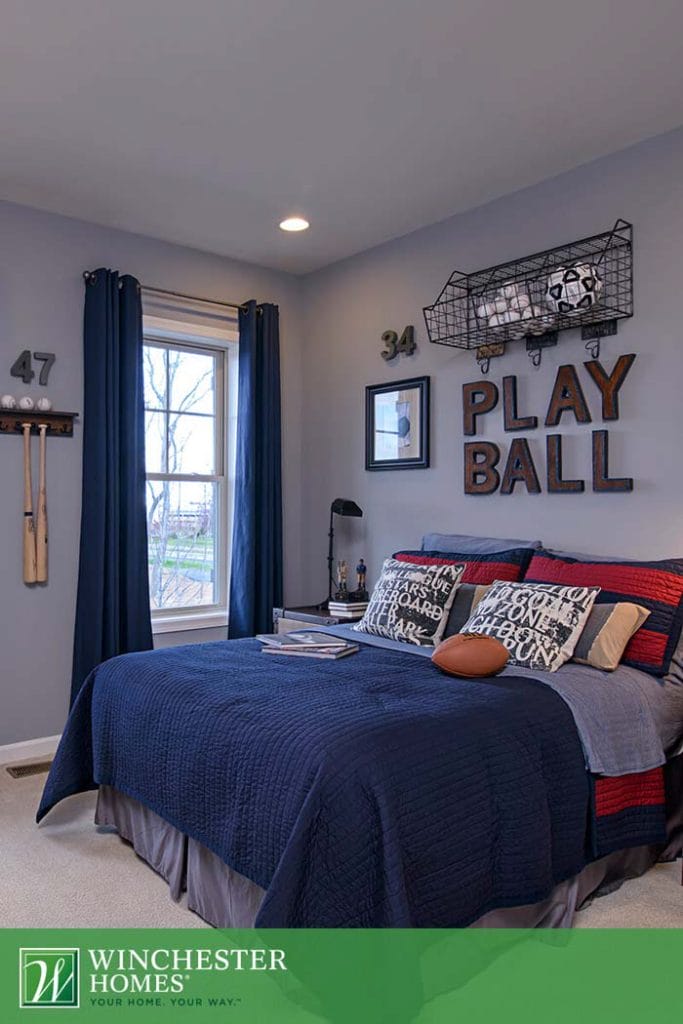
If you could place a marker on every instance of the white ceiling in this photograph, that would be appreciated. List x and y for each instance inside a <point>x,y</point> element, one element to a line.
<point>206,122</point>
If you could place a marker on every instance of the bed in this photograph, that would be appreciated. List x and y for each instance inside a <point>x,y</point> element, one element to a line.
<point>374,791</point>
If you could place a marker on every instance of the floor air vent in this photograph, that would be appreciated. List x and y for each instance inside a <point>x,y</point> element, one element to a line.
<point>20,771</point>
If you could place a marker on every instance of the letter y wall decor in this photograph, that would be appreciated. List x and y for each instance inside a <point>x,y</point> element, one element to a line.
<point>489,468</point>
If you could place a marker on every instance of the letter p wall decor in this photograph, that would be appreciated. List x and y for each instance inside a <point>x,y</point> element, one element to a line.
<point>489,468</point>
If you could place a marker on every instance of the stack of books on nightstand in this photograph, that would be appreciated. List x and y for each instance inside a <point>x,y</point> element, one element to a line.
<point>347,609</point>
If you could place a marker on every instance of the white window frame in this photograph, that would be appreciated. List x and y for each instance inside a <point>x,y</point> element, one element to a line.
<point>211,339</point>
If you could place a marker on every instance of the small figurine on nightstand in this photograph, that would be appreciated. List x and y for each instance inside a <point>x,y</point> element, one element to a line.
<point>360,593</point>
<point>342,577</point>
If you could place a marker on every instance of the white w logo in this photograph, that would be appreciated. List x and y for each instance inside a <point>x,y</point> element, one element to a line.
<point>48,977</point>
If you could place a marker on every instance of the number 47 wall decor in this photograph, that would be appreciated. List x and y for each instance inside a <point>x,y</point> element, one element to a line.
<point>22,366</point>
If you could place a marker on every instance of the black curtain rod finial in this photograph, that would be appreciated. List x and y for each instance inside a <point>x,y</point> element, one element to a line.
<point>90,277</point>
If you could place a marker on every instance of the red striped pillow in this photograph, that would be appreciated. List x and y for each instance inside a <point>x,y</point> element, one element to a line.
<point>657,586</point>
<point>479,569</point>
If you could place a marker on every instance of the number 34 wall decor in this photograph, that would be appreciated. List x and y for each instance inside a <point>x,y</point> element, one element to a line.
<point>395,345</point>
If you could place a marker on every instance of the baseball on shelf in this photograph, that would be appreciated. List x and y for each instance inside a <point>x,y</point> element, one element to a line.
<point>43,405</point>
<point>496,320</point>
<point>8,402</point>
<point>510,304</point>
<point>518,303</point>
<point>542,322</point>
<point>26,403</point>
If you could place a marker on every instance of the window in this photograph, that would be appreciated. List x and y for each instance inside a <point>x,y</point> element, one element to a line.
<point>187,453</point>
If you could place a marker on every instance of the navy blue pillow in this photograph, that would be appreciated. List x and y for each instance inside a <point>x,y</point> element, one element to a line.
<point>504,565</point>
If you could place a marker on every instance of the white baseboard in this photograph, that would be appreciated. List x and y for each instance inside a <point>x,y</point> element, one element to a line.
<point>41,747</point>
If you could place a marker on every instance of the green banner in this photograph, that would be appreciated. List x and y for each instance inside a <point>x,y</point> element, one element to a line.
<point>473,975</point>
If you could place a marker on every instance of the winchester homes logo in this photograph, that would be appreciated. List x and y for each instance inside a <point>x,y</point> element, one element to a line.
<point>48,978</point>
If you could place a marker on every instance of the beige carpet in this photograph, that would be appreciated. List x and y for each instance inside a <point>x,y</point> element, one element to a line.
<point>66,873</point>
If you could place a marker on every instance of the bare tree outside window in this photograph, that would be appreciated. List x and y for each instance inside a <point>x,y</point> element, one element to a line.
<point>184,426</point>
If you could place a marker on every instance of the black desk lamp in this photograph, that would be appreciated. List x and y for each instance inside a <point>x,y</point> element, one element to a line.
<point>339,507</point>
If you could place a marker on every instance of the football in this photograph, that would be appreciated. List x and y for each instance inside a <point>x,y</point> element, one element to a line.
<point>572,290</point>
<point>470,656</point>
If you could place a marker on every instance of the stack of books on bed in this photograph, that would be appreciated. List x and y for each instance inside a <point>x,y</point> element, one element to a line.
<point>347,609</point>
<point>308,645</point>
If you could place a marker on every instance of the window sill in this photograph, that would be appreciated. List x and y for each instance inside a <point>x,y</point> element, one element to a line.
<point>186,623</point>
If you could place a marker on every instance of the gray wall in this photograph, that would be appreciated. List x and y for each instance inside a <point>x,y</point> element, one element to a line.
<point>349,305</point>
<point>331,327</point>
<point>42,258</point>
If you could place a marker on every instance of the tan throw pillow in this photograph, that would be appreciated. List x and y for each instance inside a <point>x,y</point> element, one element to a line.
<point>607,633</point>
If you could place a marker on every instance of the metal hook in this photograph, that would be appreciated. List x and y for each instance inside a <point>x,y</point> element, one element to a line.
<point>535,355</point>
<point>484,365</point>
<point>593,348</point>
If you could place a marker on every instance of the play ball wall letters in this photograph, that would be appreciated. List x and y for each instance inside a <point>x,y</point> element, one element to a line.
<point>487,470</point>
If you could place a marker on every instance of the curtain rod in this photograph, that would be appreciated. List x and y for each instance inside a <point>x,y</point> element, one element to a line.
<point>89,275</point>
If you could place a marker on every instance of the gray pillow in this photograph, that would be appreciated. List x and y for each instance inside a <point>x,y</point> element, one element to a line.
<point>464,544</point>
<point>465,601</point>
<point>581,556</point>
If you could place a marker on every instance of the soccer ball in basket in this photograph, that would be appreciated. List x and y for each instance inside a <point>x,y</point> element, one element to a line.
<point>572,290</point>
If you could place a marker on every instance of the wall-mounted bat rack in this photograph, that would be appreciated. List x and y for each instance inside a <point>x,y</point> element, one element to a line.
<point>59,424</point>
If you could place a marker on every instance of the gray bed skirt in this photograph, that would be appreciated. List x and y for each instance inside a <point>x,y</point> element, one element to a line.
<point>226,899</point>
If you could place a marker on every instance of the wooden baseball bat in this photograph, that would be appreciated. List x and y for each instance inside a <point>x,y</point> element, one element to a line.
<point>41,525</point>
<point>29,534</point>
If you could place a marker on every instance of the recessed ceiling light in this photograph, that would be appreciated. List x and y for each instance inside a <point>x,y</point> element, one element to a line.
<point>294,224</point>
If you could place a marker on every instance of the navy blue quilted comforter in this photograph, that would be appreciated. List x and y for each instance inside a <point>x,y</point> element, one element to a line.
<point>371,791</point>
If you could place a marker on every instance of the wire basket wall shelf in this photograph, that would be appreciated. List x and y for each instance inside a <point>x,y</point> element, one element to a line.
<point>586,284</point>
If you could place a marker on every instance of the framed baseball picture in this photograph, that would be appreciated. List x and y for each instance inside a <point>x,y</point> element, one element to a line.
<point>397,425</point>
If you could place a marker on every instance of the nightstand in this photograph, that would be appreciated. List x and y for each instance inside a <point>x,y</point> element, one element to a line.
<point>303,616</point>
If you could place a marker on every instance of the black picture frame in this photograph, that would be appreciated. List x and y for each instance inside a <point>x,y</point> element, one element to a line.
<point>416,397</point>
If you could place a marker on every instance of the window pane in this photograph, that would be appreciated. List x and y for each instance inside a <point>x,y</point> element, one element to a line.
<point>154,366</point>
<point>155,441</point>
<point>182,544</point>
<point>192,381</point>
<point>191,444</point>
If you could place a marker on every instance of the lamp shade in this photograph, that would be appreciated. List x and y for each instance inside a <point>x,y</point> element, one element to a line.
<point>345,507</point>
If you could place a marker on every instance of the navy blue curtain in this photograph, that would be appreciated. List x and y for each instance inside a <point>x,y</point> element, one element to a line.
<point>256,567</point>
<point>112,607</point>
